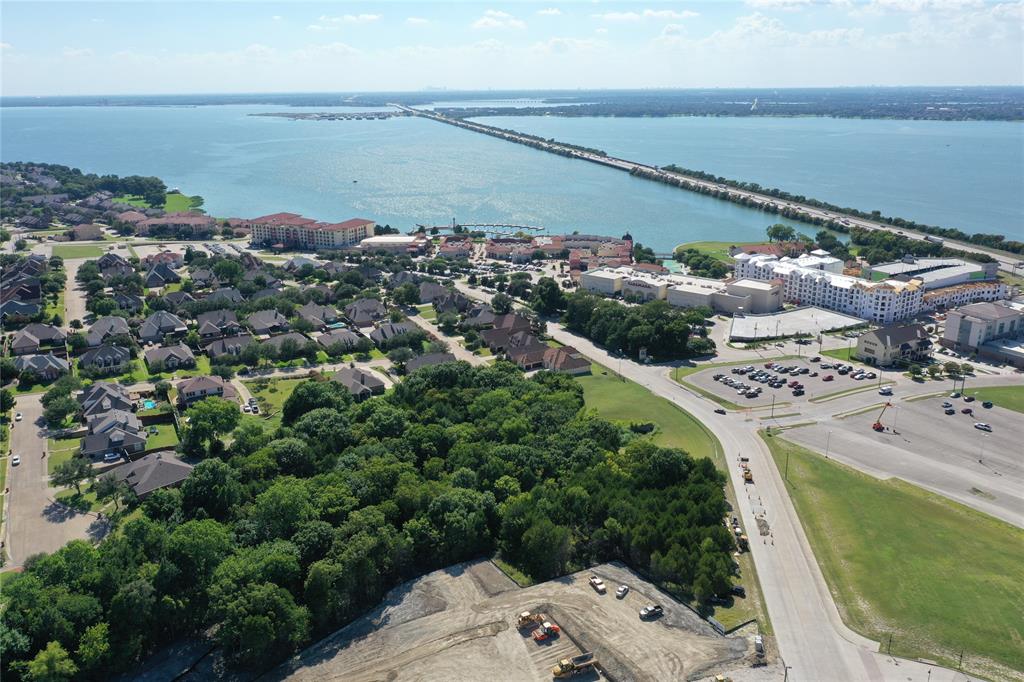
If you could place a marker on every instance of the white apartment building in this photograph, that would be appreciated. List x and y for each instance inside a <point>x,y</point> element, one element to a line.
<point>962,294</point>
<point>817,280</point>
<point>295,231</point>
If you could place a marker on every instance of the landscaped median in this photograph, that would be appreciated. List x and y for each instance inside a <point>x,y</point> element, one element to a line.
<point>936,576</point>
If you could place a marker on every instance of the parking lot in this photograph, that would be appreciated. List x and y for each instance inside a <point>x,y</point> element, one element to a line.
<point>942,452</point>
<point>805,320</point>
<point>740,383</point>
<point>460,623</point>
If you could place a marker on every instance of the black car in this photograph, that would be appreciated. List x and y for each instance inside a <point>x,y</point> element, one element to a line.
<point>719,411</point>
<point>816,358</point>
<point>968,398</point>
<point>987,404</point>
<point>739,591</point>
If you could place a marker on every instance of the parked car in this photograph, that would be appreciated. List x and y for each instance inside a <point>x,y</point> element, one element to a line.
<point>739,591</point>
<point>950,410</point>
<point>651,611</point>
<point>954,394</point>
<point>968,398</point>
<point>16,460</point>
<point>798,392</point>
<point>111,457</point>
<point>622,591</point>
<point>17,416</point>
<point>967,410</point>
<point>827,377</point>
<point>987,404</point>
<point>816,358</point>
<point>597,584</point>
<point>982,426</point>
<point>946,403</point>
<point>246,408</point>
<point>255,409</point>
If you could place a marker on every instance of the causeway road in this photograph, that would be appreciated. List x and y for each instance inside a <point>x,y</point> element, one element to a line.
<point>1007,262</point>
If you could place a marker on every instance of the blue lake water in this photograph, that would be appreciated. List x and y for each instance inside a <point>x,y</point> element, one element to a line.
<point>408,171</point>
<point>964,174</point>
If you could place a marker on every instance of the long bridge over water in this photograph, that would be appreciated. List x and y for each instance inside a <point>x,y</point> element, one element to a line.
<point>1007,262</point>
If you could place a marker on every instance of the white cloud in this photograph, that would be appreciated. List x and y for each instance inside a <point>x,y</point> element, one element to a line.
<point>328,23</point>
<point>276,17</point>
<point>565,45</point>
<point>779,4</point>
<point>646,14</point>
<point>601,30</point>
<point>493,18</point>
<point>417,21</point>
<point>550,12</point>
<point>77,52</point>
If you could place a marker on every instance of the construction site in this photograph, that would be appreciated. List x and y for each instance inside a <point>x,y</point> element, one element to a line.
<point>471,621</point>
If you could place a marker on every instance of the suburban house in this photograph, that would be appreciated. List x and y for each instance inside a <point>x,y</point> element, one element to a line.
<point>117,270</point>
<point>111,259</point>
<point>170,357</point>
<point>226,296</point>
<point>160,275</point>
<point>895,345</point>
<point>102,397</point>
<point>218,323</point>
<point>154,471</point>
<point>197,388</point>
<point>267,322</point>
<point>479,317</point>
<point>176,299</point>
<point>566,360</point>
<point>431,290</point>
<point>347,338</point>
<point>389,330</point>
<point>427,360</point>
<point>32,337</point>
<point>318,315</point>
<point>281,339</point>
<point>106,359</point>
<point>365,311</point>
<point>504,326</point>
<point>85,233</point>
<point>105,327</point>
<point>526,350</point>
<point>114,419</point>
<point>159,324</point>
<point>170,258</point>
<point>228,346</point>
<point>299,262</point>
<point>204,277</point>
<point>404,277</point>
<point>452,302</point>
<point>114,441</point>
<point>130,303</point>
<point>46,367</point>
<point>14,309</point>
<point>360,383</point>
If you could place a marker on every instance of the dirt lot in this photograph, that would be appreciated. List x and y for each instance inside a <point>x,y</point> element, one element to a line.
<point>458,623</point>
<point>943,453</point>
<point>815,388</point>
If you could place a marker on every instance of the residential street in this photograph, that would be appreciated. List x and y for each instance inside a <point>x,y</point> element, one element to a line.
<point>454,347</point>
<point>35,523</point>
<point>74,295</point>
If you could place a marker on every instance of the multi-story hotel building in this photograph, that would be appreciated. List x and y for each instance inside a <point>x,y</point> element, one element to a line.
<point>294,231</point>
<point>817,280</point>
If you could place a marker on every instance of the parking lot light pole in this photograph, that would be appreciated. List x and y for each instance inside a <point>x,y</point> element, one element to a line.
<point>828,442</point>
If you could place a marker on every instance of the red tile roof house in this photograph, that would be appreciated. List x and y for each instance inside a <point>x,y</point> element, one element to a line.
<point>567,360</point>
<point>169,258</point>
<point>131,217</point>
<point>195,223</point>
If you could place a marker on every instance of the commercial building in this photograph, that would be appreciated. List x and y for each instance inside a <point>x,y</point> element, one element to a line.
<point>963,294</point>
<point>992,330</point>
<point>740,296</point>
<point>817,281</point>
<point>290,230</point>
<point>890,346</point>
<point>395,243</point>
<point>934,273</point>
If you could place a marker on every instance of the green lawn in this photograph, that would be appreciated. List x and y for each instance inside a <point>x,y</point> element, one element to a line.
<point>937,576</point>
<point>1009,397</point>
<point>140,372</point>
<point>427,312</point>
<point>624,402</point>
<point>717,250</point>
<point>60,450</point>
<point>165,437</point>
<point>86,501</point>
<point>57,307</point>
<point>174,203</point>
<point>77,250</point>
<point>844,354</point>
<point>271,399</point>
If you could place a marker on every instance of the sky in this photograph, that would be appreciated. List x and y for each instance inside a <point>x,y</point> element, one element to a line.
<point>151,47</point>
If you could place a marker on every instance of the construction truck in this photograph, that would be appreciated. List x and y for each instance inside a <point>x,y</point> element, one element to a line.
<point>878,425</point>
<point>567,667</point>
<point>528,620</point>
<point>546,631</point>
<point>743,542</point>
<point>748,477</point>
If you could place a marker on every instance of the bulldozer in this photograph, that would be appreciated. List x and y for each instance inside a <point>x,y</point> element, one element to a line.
<point>567,667</point>
<point>528,620</point>
<point>546,631</point>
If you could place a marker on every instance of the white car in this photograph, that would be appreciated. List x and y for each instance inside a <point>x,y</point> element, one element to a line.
<point>982,426</point>
<point>885,391</point>
<point>17,416</point>
<point>16,460</point>
<point>622,591</point>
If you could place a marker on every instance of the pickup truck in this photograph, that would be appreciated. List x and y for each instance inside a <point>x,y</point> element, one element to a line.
<point>597,584</point>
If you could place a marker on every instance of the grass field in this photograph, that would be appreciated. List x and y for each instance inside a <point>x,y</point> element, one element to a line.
<point>1010,397</point>
<point>937,576</point>
<point>86,501</point>
<point>427,312</point>
<point>77,250</point>
<point>717,250</point>
<point>271,399</point>
<point>624,402</point>
<point>140,372</point>
<point>60,450</point>
<point>172,202</point>
<point>165,437</point>
<point>844,354</point>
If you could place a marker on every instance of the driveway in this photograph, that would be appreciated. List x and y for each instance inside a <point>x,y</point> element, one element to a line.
<point>74,294</point>
<point>35,522</point>
<point>454,347</point>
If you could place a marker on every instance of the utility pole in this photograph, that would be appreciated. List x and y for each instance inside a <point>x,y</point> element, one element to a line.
<point>828,442</point>
<point>888,649</point>
<point>773,407</point>
<point>961,663</point>
<point>786,677</point>
<point>786,475</point>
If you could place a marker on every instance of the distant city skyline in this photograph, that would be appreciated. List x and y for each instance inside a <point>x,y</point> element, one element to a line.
<point>105,48</point>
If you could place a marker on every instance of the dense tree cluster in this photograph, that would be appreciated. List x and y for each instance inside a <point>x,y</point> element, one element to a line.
<point>80,185</point>
<point>666,332</point>
<point>281,537</point>
<point>701,264</point>
<point>876,246</point>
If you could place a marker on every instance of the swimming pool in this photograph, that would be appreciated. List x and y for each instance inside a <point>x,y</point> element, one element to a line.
<point>149,404</point>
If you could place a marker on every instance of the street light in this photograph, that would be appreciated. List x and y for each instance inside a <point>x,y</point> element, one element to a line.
<point>786,678</point>
<point>828,442</point>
